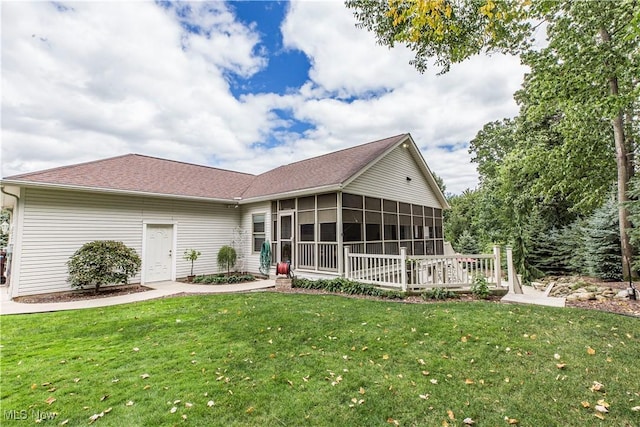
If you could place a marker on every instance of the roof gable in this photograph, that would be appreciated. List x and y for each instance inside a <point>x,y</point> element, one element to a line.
<point>327,170</point>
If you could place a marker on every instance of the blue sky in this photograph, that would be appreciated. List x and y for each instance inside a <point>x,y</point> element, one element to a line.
<point>239,85</point>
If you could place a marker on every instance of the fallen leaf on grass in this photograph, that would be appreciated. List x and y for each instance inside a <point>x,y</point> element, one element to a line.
<point>250,409</point>
<point>144,376</point>
<point>129,403</point>
<point>468,421</point>
<point>76,380</point>
<point>556,356</point>
<point>424,396</point>
<point>210,403</point>
<point>585,404</point>
<point>468,381</point>
<point>590,351</point>
<point>450,414</point>
<point>361,391</point>
<point>598,415</point>
<point>511,421</point>
<point>50,400</point>
<point>65,422</point>
<point>392,421</point>
<point>636,409</point>
<point>560,365</point>
<point>173,410</point>
<point>597,386</point>
<point>147,387</point>
<point>601,408</point>
<point>433,381</point>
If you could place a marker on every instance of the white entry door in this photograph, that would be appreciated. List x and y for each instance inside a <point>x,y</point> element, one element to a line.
<point>158,253</point>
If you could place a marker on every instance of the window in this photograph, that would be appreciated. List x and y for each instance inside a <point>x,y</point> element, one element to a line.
<point>351,201</point>
<point>258,232</point>
<point>373,230</point>
<point>352,223</point>
<point>306,221</point>
<point>328,232</point>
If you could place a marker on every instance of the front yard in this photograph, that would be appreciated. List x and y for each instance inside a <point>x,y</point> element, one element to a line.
<point>295,359</point>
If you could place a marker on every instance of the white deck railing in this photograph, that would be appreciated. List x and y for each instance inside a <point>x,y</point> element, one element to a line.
<point>424,271</point>
<point>318,256</point>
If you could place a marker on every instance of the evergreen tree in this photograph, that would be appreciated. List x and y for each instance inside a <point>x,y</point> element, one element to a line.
<point>602,243</point>
<point>467,243</point>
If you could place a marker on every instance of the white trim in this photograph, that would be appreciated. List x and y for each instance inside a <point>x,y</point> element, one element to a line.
<point>16,256</point>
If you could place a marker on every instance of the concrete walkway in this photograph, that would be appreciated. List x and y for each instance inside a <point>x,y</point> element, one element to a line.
<point>531,295</point>
<point>159,290</point>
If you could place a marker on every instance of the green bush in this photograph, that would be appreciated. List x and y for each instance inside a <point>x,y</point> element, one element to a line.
<point>346,286</point>
<point>480,287</point>
<point>226,258</point>
<point>438,293</point>
<point>218,279</point>
<point>102,262</point>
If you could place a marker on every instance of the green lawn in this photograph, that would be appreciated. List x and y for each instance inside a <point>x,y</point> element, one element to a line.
<point>270,359</point>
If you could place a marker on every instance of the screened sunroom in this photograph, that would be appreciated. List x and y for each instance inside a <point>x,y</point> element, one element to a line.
<point>311,232</point>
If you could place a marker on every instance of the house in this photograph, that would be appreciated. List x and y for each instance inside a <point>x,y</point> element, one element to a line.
<point>373,198</point>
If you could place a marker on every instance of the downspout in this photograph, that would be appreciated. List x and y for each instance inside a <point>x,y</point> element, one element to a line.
<point>9,255</point>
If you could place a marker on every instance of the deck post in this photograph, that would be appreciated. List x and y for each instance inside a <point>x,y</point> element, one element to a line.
<point>511,272</point>
<point>497,265</point>
<point>403,268</point>
<point>346,263</point>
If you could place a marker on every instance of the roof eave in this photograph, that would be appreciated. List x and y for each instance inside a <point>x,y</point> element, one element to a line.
<point>102,190</point>
<point>295,193</point>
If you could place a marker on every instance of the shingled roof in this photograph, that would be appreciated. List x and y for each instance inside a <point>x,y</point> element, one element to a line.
<point>150,175</point>
<point>137,173</point>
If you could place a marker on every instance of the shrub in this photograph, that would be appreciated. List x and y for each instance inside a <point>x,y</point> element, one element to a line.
<point>346,286</point>
<point>480,287</point>
<point>226,258</point>
<point>218,279</point>
<point>438,293</point>
<point>102,262</point>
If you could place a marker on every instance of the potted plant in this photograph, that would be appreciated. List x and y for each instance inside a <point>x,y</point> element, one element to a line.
<point>191,255</point>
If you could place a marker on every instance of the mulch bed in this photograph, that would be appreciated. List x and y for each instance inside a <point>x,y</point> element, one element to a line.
<point>79,295</point>
<point>624,307</point>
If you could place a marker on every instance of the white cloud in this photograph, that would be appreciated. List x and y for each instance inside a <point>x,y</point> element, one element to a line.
<point>104,79</point>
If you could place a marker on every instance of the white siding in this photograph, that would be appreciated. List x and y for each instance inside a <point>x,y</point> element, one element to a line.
<point>252,264</point>
<point>388,179</point>
<point>57,223</point>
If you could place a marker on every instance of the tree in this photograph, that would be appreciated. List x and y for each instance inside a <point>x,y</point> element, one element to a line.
<point>446,31</point>
<point>102,262</point>
<point>602,243</point>
<point>586,75</point>
<point>226,258</point>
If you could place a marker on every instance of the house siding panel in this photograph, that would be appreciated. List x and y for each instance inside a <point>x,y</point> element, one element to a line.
<point>387,179</point>
<point>57,223</point>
